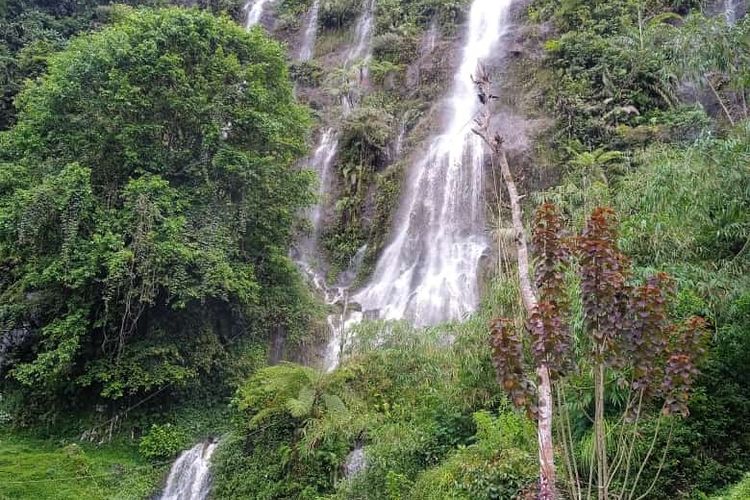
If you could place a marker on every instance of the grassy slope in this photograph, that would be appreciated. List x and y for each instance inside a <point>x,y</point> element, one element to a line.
<point>41,470</point>
<point>739,492</point>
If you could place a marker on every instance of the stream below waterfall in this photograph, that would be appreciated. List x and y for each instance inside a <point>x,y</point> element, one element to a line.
<point>190,476</point>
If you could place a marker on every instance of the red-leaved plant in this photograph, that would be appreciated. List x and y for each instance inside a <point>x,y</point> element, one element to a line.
<point>628,337</point>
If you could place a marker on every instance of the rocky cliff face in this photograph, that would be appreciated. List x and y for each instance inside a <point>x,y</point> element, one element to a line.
<point>380,78</point>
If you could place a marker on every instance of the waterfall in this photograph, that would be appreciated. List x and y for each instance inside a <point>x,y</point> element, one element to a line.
<point>254,9</point>
<point>355,462</point>
<point>190,477</point>
<point>322,161</point>
<point>306,249</point>
<point>729,11</point>
<point>323,157</point>
<point>429,271</point>
<point>360,51</point>
<point>306,252</point>
<point>430,40</point>
<point>363,33</point>
<point>311,33</point>
<point>398,145</point>
<point>426,49</point>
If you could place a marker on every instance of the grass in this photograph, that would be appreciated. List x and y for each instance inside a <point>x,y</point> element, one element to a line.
<point>740,491</point>
<point>42,470</point>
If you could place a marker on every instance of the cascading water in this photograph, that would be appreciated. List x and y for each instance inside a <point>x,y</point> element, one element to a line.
<point>190,478</point>
<point>363,34</point>
<point>730,11</point>
<point>426,49</point>
<point>321,162</point>
<point>325,153</point>
<point>306,253</point>
<point>355,462</point>
<point>307,247</point>
<point>311,33</point>
<point>430,40</point>
<point>428,273</point>
<point>254,9</point>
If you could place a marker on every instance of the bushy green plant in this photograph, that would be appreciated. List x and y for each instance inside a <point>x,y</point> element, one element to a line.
<point>613,76</point>
<point>140,230</point>
<point>295,427</point>
<point>501,464</point>
<point>408,398</point>
<point>740,491</point>
<point>162,442</point>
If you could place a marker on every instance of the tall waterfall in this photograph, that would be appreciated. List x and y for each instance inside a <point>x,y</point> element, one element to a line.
<point>190,478</point>
<point>322,162</point>
<point>428,273</point>
<point>311,33</point>
<point>363,33</point>
<point>254,10</point>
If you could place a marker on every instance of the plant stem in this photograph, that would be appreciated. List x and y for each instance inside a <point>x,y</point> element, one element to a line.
<point>600,430</point>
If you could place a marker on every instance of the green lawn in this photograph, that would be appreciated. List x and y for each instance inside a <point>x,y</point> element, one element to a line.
<point>41,470</point>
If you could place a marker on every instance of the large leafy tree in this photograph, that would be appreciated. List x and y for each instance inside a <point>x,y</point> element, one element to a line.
<point>147,196</point>
<point>32,30</point>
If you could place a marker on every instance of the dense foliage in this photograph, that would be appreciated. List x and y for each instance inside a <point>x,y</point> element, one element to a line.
<point>427,417</point>
<point>146,206</point>
<point>648,99</point>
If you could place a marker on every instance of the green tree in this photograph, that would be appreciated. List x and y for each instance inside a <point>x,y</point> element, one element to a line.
<point>147,196</point>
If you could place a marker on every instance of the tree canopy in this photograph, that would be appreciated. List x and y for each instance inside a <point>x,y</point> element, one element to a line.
<point>147,197</point>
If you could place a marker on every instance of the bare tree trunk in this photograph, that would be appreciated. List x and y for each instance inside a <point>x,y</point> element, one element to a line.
<point>544,422</point>
<point>721,101</point>
<point>528,294</point>
<point>601,436</point>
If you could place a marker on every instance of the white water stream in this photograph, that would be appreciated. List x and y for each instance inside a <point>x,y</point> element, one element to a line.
<point>734,10</point>
<point>311,33</point>
<point>363,34</point>
<point>325,152</point>
<point>254,9</point>
<point>428,273</point>
<point>307,252</point>
<point>730,11</point>
<point>190,478</point>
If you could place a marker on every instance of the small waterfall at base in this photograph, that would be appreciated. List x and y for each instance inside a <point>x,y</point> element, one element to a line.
<point>190,476</point>
<point>355,462</point>
<point>254,9</point>
<point>429,271</point>
<point>310,34</point>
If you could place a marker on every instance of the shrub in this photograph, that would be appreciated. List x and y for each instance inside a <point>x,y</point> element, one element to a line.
<point>501,464</point>
<point>162,442</point>
<point>336,14</point>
